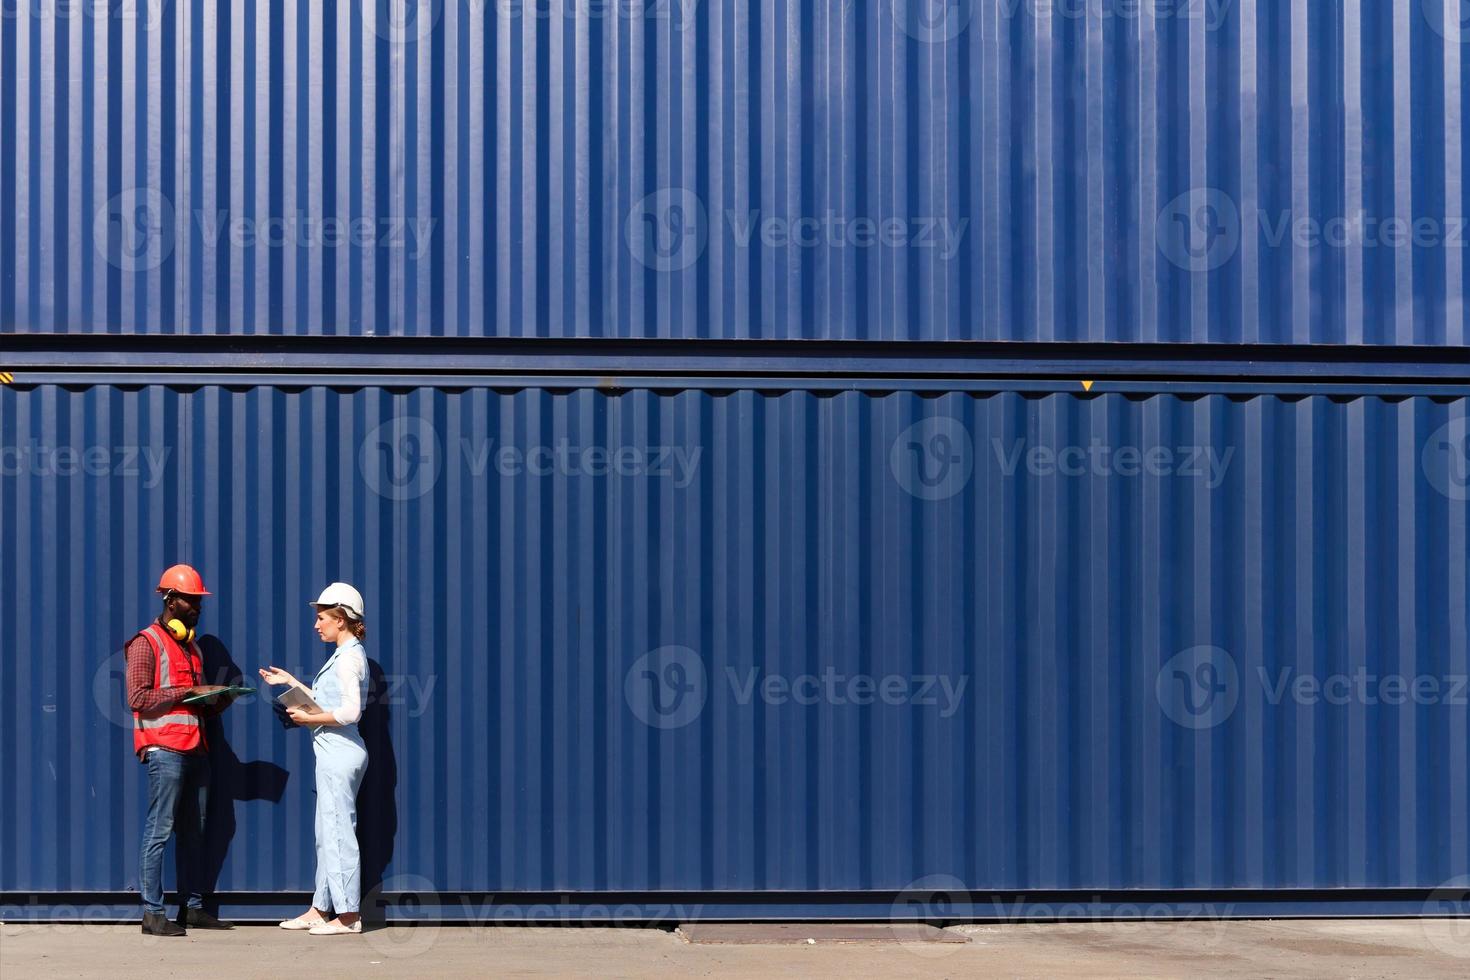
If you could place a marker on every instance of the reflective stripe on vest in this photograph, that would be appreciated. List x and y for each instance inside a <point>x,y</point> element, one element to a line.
<point>164,677</point>
<point>160,721</point>
<point>181,728</point>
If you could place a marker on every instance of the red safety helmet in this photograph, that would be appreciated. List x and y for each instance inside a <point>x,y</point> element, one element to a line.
<point>182,579</point>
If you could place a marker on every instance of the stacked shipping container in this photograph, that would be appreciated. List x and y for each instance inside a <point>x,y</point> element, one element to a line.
<point>776,640</point>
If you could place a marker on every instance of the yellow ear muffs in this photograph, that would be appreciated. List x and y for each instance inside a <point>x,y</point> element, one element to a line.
<point>181,632</point>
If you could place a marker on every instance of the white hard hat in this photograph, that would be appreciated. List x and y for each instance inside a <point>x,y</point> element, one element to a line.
<point>342,596</point>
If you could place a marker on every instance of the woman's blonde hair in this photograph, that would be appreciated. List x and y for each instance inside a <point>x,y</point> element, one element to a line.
<point>356,627</point>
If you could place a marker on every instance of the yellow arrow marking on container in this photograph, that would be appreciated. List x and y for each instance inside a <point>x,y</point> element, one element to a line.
<point>1087,385</point>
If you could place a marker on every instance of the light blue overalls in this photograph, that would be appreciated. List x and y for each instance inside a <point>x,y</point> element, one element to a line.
<point>341,760</point>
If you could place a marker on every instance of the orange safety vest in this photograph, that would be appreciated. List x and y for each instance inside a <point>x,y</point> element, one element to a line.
<point>180,727</point>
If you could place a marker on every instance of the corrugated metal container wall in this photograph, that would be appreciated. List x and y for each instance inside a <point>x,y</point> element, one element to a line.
<point>1206,170</point>
<point>744,640</point>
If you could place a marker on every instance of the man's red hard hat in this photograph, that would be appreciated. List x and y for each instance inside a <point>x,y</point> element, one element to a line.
<point>182,579</point>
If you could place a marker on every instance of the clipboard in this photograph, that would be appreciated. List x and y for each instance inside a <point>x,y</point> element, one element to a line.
<point>215,690</point>
<point>297,697</point>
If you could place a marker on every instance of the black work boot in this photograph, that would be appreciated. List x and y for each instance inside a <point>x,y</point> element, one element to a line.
<point>200,919</point>
<point>157,924</point>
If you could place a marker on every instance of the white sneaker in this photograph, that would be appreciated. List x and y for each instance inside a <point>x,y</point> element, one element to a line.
<point>336,929</point>
<point>300,923</point>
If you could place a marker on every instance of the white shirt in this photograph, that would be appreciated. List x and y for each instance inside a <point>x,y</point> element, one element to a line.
<point>351,670</point>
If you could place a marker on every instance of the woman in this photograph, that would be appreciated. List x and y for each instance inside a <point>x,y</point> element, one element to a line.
<point>340,690</point>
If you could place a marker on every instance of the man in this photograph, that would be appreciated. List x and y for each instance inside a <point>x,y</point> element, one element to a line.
<point>164,668</point>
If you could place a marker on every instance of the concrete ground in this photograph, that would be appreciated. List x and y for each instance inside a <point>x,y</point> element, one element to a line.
<point>1339,949</point>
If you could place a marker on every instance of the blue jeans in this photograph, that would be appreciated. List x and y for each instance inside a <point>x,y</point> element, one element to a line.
<point>178,792</point>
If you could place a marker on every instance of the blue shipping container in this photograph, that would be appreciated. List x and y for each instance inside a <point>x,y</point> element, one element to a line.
<point>763,641</point>
<point>1113,170</point>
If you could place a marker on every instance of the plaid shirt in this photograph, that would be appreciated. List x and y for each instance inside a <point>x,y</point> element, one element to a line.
<point>143,696</point>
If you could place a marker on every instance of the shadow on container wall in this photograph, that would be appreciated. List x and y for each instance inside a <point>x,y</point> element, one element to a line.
<point>231,780</point>
<point>377,805</point>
